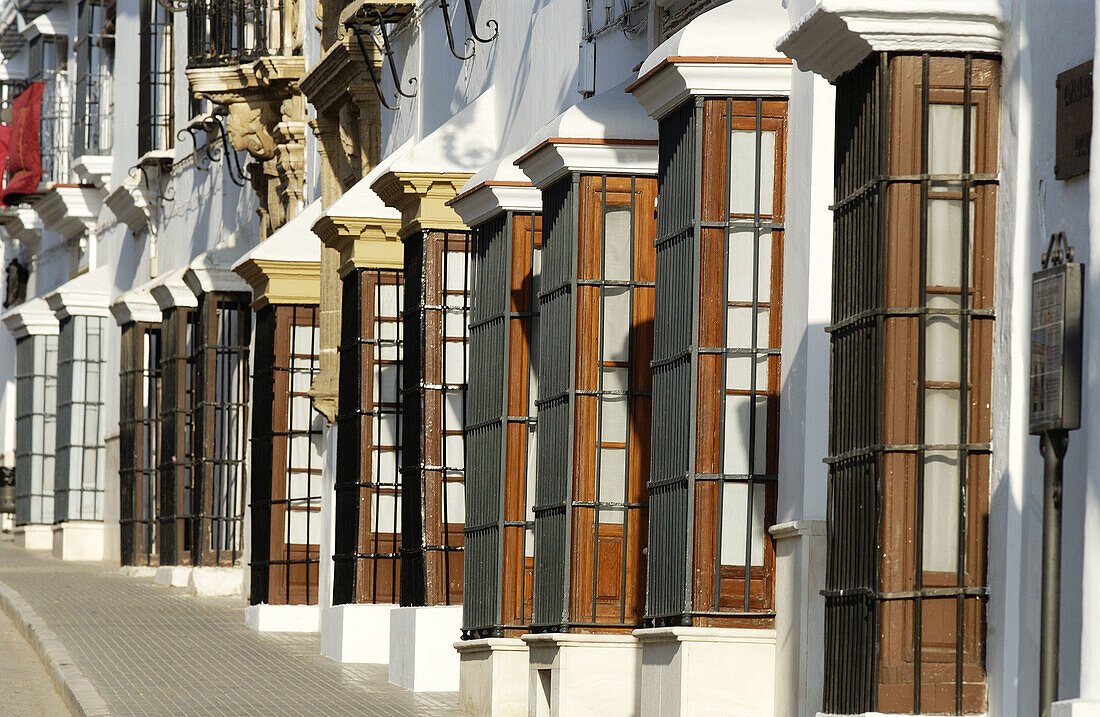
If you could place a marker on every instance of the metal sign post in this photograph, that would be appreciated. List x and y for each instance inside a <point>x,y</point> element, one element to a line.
<point>1056,292</point>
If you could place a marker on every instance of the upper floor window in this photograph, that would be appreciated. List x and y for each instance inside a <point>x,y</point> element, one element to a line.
<point>48,64</point>
<point>910,386</point>
<point>230,32</point>
<point>155,108</point>
<point>95,59</point>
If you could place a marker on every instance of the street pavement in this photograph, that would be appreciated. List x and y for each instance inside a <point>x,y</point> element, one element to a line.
<point>154,650</point>
<point>25,686</point>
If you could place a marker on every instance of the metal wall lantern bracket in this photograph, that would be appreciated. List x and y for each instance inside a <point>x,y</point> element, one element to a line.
<point>359,24</point>
<point>213,124</point>
<point>474,37</point>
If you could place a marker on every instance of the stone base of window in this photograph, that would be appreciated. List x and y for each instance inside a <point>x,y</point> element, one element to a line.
<point>78,540</point>
<point>34,537</point>
<point>356,633</point>
<point>422,653</point>
<point>686,671</point>
<point>800,559</point>
<point>174,576</point>
<point>148,572</point>
<point>283,618</point>
<point>216,582</point>
<point>1075,708</point>
<point>493,677</point>
<point>576,674</point>
<point>7,522</point>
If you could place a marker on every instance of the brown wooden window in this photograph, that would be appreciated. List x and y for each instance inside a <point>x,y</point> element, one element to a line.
<point>176,459</point>
<point>286,458</point>
<point>139,440</point>
<point>368,487</point>
<point>716,362</point>
<point>596,326</point>
<point>911,384</point>
<point>222,335</point>
<point>434,370</point>
<point>501,427</point>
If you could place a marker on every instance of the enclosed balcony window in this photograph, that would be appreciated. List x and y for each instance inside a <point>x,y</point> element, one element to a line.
<point>176,467</point>
<point>433,506</point>
<point>596,342</point>
<point>78,481</point>
<point>231,32</point>
<point>716,363</point>
<point>286,458</point>
<point>155,106</point>
<point>911,386</point>
<point>139,441</point>
<point>35,428</point>
<point>47,64</point>
<point>95,59</point>
<point>368,455</point>
<point>220,435</point>
<point>501,426</point>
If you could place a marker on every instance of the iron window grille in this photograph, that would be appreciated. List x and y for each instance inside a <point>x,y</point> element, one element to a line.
<point>501,425</point>
<point>222,335</point>
<point>155,105</point>
<point>95,58</point>
<point>286,458</point>
<point>47,64</point>
<point>910,385</point>
<point>367,565</point>
<point>433,403</point>
<point>78,476</point>
<point>139,441</point>
<point>176,467</point>
<point>716,363</point>
<point>596,342</point>
<point>35,428</point>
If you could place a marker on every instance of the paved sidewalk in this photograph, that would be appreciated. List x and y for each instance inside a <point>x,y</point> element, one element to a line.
<point>154,650</point>
<point>25,686</point>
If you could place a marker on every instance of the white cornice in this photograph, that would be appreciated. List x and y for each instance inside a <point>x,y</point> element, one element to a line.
<point>170,292</point>
<point>668,85</point>
<point>136,305</point>
<point>490,198</point>
<point>31,318</point>
<point>556,158</point>
<point>212,271</point>
<point>836,35</point>
<point>71,210</point>
<point>86,295</point>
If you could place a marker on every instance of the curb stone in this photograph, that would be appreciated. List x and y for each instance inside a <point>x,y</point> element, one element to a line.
<point>76,690</point>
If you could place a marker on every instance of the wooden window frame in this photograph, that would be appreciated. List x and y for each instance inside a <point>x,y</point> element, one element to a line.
<point>156,115</point>
<point>177,461</point>
<point>139,442</point>
<point>921,649</point>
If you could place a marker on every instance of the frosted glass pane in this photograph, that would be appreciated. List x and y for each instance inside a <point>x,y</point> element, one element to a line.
<point>612,482</point>
<point>454,417</point>
<point>944,242</point>
<point>301,487</point>
<point>385,512</point>
<point>742,171</point>
<point>739,327</point>
<point>735,514</point>
<point>737,436</point>
<point>300,377</point>
<point>945,138</point>
<point>454,323</point>
<point>528,543</point>
<point>384,467</point>
<point>739,373</point>
<point>305,453</point>
<point>941,416</point>
<point>941,352</point>
<point>614,419</point>
<point>941,511</point>
<point>616,324</point>
<point>388,304</point>
<point>616,379</point>
<point>385,430</point>
<point>739,267</point>
<point>306,340</point>
<point>454,368</point>
<point>456,266</point>
<point>616,243</point>
<point>454,497</point>
<point>305,527</point>
<point>301,409</point>
<point>455,452</point>
<point>385,385</point>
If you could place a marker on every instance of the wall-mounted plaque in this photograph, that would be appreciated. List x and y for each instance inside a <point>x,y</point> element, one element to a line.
<point>1073,122</point>
<point>1056,348</point>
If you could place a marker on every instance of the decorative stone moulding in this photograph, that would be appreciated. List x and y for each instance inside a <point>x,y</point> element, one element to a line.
<point>363,230</point>
<point>134,199</point>
<point>836,35</point>
<point>87,295</point>
<point>285,268</point>
<point>169,291</point>
<point>94,169</point>
<point>22,224</point>
<point>500,187</point>
<point>71,210</point>
<point>696,61</point>
<point>212,271</point>
<point>31,318</point>
<point>608,133</point>
<point>422,198</point>
<point>137,304</point>
<point>338,73</point>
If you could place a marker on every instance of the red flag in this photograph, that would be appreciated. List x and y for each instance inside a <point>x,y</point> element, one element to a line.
<point>24,156</point>
<point>5,135</point>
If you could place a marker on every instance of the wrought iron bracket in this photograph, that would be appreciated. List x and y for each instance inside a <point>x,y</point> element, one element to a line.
<point>359,24</point>
<point>474,37</point>
<point>1058,252</point>
<point>213,123</point>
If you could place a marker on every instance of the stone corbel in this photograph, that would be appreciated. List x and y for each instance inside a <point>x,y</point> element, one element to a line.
<point>422,198</point>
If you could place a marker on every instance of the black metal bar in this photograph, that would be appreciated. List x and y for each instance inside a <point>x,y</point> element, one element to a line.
<point>1053,445</point>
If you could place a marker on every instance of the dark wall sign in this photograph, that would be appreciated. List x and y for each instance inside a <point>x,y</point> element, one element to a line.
<point>1056,348</point>
<point>1074,122</point>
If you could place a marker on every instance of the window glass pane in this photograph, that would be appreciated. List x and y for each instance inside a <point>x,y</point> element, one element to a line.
<point>616,244</point>
<point>454,496</point>
<point>941,511</point>
<point>743,175</point>
<point>945,138</point>
<point>612,482</point>
<point>735,514</point>
<point>616,323</point>
<point>454,451</point>
<point>739,373</point>
<point>941,351</point>
<point>739,327</point>
<point>945,242</point>
<point>736,460</point>
<point>455,266</point>
<point>613,420</point>
<point>941,416</point>
<point>739,266</point>
<point>305,527</point>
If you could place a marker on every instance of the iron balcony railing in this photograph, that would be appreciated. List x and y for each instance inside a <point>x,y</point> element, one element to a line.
<point>230,32</point>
